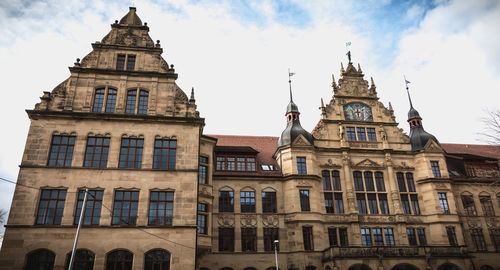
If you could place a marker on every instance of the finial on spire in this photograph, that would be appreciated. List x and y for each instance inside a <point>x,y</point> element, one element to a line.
<point>372,87</point>
<point>322,103</point>
<point>408,90</point>
<point>359,68</point>
<point>290,74</point>
<point>334,83</point>
<point>192,100</point>
<point>341,68</point>
<point>347,44</point>
<point>390,106</point>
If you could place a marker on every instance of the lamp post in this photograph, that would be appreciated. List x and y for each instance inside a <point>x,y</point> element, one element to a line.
<point>276,242</point>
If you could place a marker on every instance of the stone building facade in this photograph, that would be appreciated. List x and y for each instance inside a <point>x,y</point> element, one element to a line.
<point>356,193</point>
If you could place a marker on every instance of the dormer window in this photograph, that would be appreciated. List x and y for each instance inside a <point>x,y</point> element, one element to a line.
<point>268,167</point>
<point>235,163</point>
<point>122,59</point>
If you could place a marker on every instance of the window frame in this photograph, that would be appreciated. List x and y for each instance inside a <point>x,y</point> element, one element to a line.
<point>435,168</point>
<point>308,238</point>
<point>157,258</point>
<point>95,197</point>
<point>90,150</point>
<point>137,101</point>
<point>370,192</point>
<point>203,170</point>
<point>69,148</point>
<point>168,204</point>
<point>443,202</point>
<point>305,205</point>
<point>408,193</point>
<point>238,163</point>
<point>107,103</point>
<point>136,157</point>
<point>170,156</point>
<point>203,214</point>
<point>269,202</point>
<point>226,203</point>
<point>301,165</point>
<point>248,239</point>
<point>226,239</point>
<point>270,235</point>
<point>130,216</point>
<point>124,63</point>
<point>247,201</point>
<point>43,211</point>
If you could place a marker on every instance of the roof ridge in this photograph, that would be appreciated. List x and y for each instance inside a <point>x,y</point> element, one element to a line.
<point>248,136</point>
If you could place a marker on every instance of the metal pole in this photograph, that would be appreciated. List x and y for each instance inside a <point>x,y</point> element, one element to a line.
<point>84,205</point>
<point>276,252</point>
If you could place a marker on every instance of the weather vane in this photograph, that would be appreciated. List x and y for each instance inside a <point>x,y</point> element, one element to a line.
<point>290,74</point>
<point>347,45</point>
<point>408,90</point>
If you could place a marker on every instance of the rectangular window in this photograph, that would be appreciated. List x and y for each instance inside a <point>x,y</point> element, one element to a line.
<point>329,206</point>
<point>307,234</point>
<point>332,237</point>
<point>405,203</point>
<point>379,180</point>
<point>247,200</point>
<point>270,235</point>
<point>421,237</point>
<point>412,237</point>
<point>202,174</point>
<point>164,154</point>
<point>130,62</point>
<point>131,99</point>
<point>221,164</point>
<point>61,151</point>
<point>495,238</point>
<point>269,202</point>
<point>452,236</point>
<point>361,134</point>
<point>372,203</point>
<point>358,181</point>
<point>443,201</point>
<point>401,182</point>
<point>366,238</point>
<point>325,176</point>
<point>304,200</point>
<point>120,62</point>
<point>98,100</point>
<point>125,207</point>
<point>92,213</point>
<point>435,168</point>
<point>251,164</point>
<point>410,182</point>
<point>50,207</point>
<point>226,201</point>
<point>301,165</point>
<point>344,241</point>
<point>414,204</point>
<point>369,181</point>
<point>339,203</point>
<point>142,107</point>
<point>226,239</point>
<point>131,153</point>
<point>231,164</point>
<point>372,136</point>
<point>378,239</point>
<point>240,164</point>
<point>478,238</point>
<point>389,237</point>
<point>161,205</point>
<point>360,198</point>
<point>202,224</point>
<point>96,153</point>
<point>351,134</point>
<point>248,239</point>
<point>384,205</point>
<point>336,180</point>
<point>487,206</point>
<point>469,206</point>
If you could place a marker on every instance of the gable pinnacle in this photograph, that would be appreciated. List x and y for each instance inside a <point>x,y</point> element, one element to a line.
<point>191,99</point>
<point>334,83</point>
<point>341,68</point>
<point>359,68</point>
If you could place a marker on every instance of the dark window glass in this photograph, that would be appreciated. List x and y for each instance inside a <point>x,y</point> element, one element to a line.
<point>204,160</point>
<point>366,238</point>
<point>247,200</point>
<point>329,206</point>
<point>336,180</point>
<point>161,205</point>
<point>131,99</point>
<point>92,213</point>
<point>41,259</point>
<point>111,100</point>
<point>251,164</point>
<point>452,237</point>
<point>202,207</point>
<point>478,238</point>
<point>372,136</point>
<point>248,239</point>
<point>412,237</point>
<point>378,238</point>
<point>269,202</point>
<point>270,235</point>
<point>358,181</point>
<point>120,62</point>
<point>96,153</point>
<point>410,183</point>
<point>372,203</point>
<point>344,242</point>
<point>487,205</point>
<point>61,151</point>
<point>226,202</point>
<point>469,206</point>
<point>379,180</point>
<point>119,260</point>
<point>131,153</point>
<point>414,204</point>
<point>164,154</point>
<point>84,260</point>
<point>401,182</point>
<point>157,259</point>
<point>202,176</point>
<point>125,207</point>
<point>221,164</point>
<point>240,164</point>
<point>421,237</point>
<point>405,203</point>
<point>332,237</point>
<point>351,134</point>
<point>361,134</point>
<point>369,181</point>
<point>384,205</point>
<point>130,62</point>
<point>339,203</point>
<point>389,236</point>
<point>98,100</point>
<point>143,102</point>
<point>226,239</point>
<point>304,200</point>
<point>325,176</point>
<point>51,206</point>
<point>231,164</point>
<point>360,198</point>
<point>301,165</point>
<point>435,168</point>
<point>307,234</point>
<point>495,238</point>
<point>443,201</point>
<point>202,224</point>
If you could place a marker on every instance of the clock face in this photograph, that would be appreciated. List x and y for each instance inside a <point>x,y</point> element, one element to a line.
<point>358,112</point>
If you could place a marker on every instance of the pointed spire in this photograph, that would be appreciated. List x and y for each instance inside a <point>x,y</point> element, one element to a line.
<point>322,103</point>
<point>373,83</point>
<point>359,68</point>
<point>334,83</point>
<point>192,100</point>
<point>341,68</point>
<point>390,107</point>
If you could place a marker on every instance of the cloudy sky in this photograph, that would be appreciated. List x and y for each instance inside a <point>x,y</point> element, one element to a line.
<point>236,55</point>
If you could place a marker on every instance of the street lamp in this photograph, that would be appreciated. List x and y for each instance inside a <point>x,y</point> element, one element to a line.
<point>276,242</point>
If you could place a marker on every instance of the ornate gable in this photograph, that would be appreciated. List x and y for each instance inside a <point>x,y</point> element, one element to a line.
<point>367,164</point>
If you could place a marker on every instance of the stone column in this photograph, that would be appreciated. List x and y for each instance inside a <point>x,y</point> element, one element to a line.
<point>351,201</point>
<point>393,187</point>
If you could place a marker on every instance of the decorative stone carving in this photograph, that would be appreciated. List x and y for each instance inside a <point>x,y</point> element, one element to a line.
<point>179,96</point>
<point>303,183</point>
<point>474,224</point>
<point>346,159</point>
<point>330,164</point>
<point>90,60</point>
<point>377,219</point>
<point>368,164</point>
<point>248,221</point>
<point>493,223</point>
<point>270,220</point>
<point>226,220</point>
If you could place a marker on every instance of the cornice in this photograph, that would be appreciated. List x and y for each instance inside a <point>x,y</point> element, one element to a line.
<point>171,74</point>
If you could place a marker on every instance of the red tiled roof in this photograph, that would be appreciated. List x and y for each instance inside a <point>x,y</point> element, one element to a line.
<point>264,144</point>
<point>491,151</point>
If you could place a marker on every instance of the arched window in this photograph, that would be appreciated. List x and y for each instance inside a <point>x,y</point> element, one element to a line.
<point>157,259</point>
<point>111,100</point>
<point>40,259</point>
<point>486,204</point>
<point>98,100</point>
<point>131,98</point>
<point>119,260</point>
<point>143,102</point>
<point>226,268</point>
<point>250,268</point>
<point>104,96</point>
<point>84,260</point>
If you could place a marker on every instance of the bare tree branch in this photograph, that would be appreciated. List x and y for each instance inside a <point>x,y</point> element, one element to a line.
<point>491,132</point>
<point>3,216</point>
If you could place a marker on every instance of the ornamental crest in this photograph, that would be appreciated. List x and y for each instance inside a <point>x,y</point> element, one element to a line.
<point>358,112</point>
<point>270,220</point>
<point>248,221</point>
<point>225,221</point>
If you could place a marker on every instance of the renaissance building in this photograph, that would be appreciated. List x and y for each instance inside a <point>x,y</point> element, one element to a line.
<point>355,193</point>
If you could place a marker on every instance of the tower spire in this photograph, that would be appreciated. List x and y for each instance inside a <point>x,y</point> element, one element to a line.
<point>290,74</point>
<point>408,90</point>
